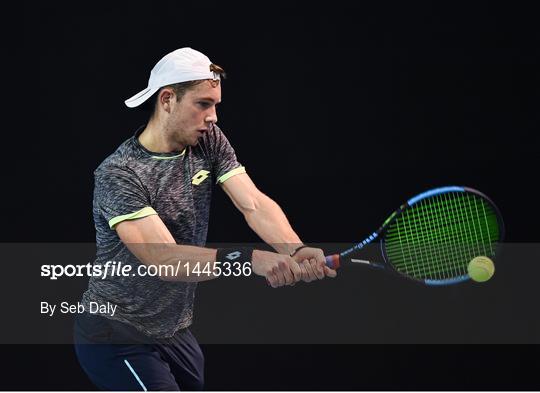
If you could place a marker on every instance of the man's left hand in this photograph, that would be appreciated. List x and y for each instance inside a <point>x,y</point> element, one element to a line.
<point>313,264</point>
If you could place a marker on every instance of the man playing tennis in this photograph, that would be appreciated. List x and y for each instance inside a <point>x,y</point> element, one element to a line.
<point>151,208</point>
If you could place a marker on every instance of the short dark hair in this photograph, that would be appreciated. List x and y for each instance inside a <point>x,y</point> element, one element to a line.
<point>180,89</point>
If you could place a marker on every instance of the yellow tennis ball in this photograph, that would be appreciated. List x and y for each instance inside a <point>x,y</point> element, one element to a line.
<point>481,269</point>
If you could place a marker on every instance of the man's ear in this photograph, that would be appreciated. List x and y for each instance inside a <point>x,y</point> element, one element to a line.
<point>166,97</point>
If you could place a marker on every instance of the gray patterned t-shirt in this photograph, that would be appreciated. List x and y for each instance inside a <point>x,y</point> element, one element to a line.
<point>133,183</point>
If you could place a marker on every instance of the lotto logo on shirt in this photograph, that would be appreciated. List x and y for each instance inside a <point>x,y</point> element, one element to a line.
<point>199,177</point>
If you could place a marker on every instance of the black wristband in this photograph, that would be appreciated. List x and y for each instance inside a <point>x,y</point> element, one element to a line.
<point>298,249</point>
<point>239,254</point>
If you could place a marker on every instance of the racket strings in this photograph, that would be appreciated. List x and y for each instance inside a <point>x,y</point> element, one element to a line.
<point>455,247</point>
<point>438,236</point>
<point>426,240</point>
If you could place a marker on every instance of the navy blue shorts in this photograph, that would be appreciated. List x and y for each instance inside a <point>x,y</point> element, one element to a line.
<point>116,356</point>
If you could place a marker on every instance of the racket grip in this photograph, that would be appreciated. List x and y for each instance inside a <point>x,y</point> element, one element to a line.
<point>332,261</point>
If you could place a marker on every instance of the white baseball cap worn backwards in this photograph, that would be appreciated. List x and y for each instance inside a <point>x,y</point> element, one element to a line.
<point>181,65</point>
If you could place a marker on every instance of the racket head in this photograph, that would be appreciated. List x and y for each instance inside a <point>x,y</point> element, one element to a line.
<point>434,235</point>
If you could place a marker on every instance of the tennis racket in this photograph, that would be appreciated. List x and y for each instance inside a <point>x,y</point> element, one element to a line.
<point>432,237</point>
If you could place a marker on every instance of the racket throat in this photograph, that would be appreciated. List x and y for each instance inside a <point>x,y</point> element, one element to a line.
<point>360,261</point>
<point>335,261</point>
<point>366,262</point>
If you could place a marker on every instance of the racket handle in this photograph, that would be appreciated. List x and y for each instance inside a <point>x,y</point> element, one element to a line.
<point>332,261</point>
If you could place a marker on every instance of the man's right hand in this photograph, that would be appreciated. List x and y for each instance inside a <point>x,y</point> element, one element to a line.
<point>279,269</point>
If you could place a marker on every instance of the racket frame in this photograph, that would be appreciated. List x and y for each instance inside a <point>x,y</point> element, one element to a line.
<point>335,260</point>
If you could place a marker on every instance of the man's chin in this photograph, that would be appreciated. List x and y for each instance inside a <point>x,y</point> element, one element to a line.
<point>197,139</point>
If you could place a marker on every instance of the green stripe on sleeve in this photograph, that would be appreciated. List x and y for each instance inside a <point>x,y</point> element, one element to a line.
<point>144,212</point>
<point>232,173</point>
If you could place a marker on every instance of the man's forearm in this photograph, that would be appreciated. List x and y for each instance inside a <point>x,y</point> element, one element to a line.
<point>270,223</point>
<point>177,262</point>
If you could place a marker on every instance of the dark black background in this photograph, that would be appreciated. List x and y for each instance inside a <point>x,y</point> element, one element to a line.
<point>340,112</point>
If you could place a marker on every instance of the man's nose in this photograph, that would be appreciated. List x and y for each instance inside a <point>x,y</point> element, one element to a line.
<point>212,117</point>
